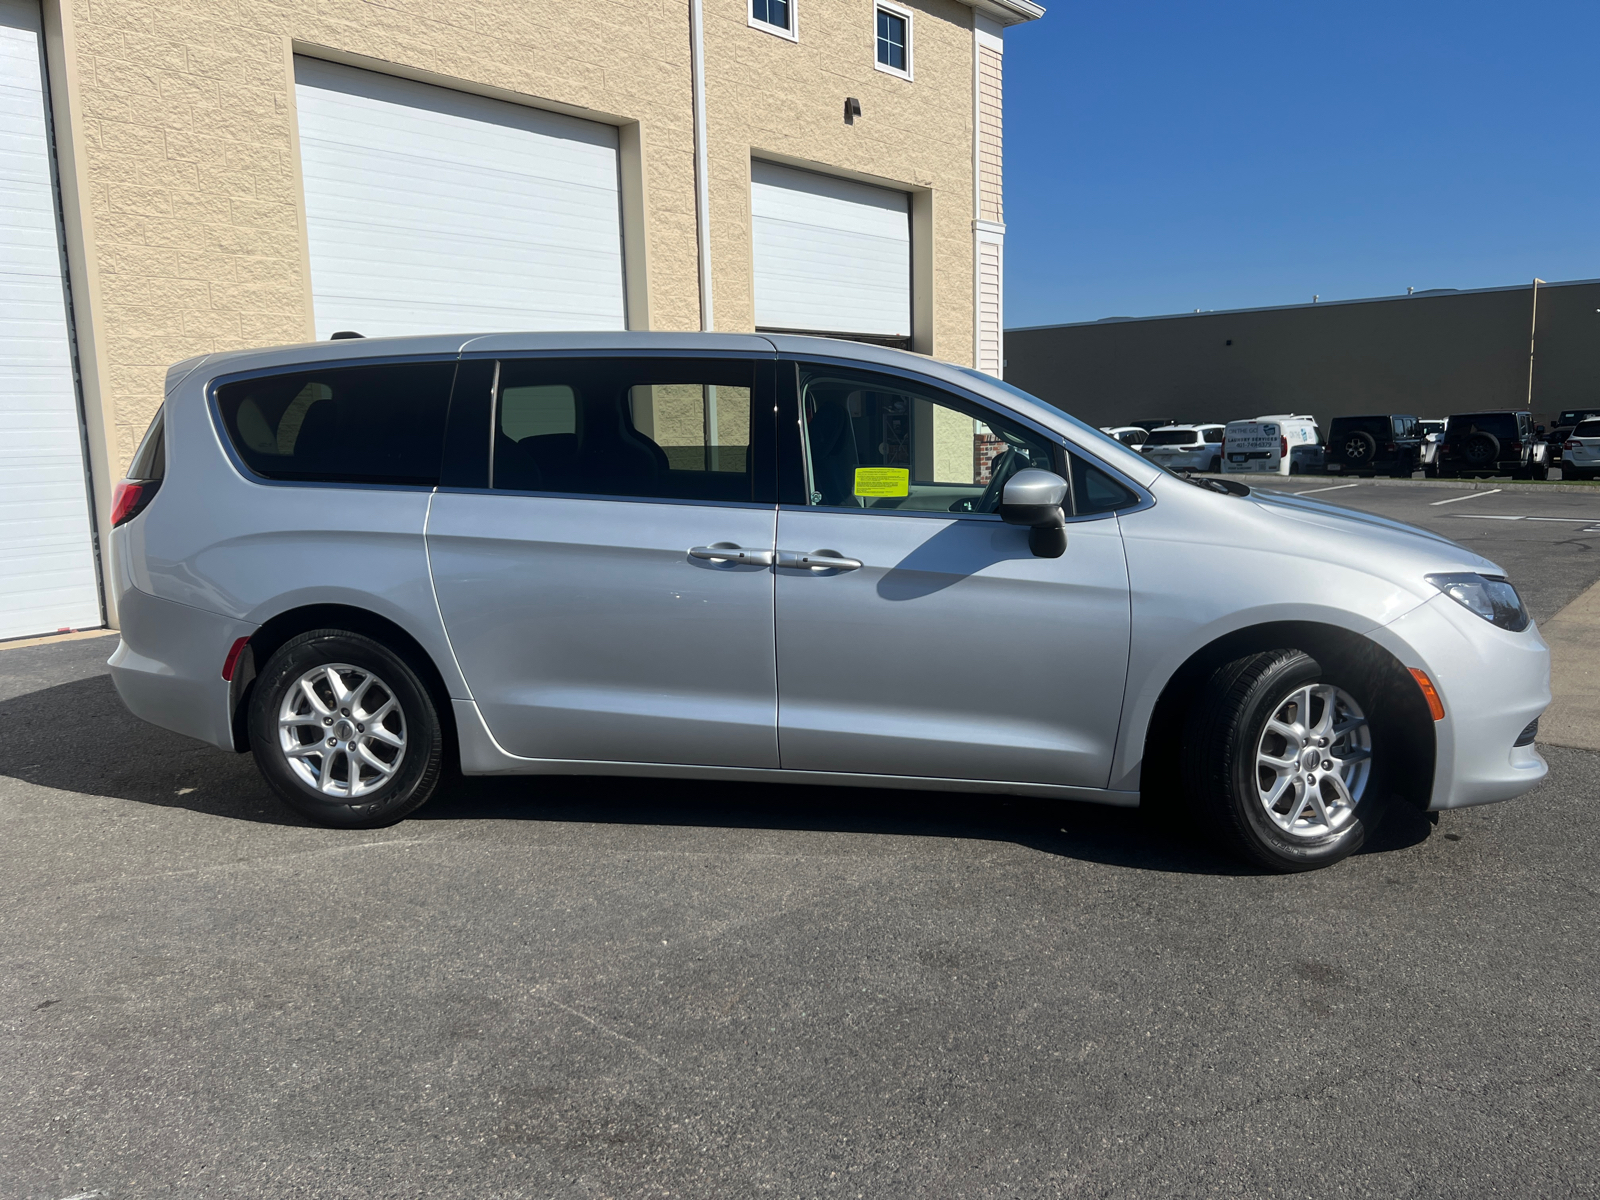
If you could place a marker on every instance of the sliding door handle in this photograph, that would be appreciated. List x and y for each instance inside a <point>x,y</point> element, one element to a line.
<point>728,552</point>
<point>818,560</point>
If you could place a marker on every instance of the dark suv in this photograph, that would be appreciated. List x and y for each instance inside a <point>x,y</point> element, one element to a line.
<point>1492,443</point>
<point>1389,444</point>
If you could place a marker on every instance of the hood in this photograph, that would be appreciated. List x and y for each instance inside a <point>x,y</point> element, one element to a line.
<point>1436,553</point>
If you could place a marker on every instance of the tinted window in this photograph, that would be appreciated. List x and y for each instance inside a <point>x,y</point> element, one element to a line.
<point>1173,437</point>
<point>1378,427</point>
<point>150,460</point>
<point>1587,429</point>
<point>888,444</point>
<point>1502,425</point>
<point>371,424</point>
<point>1212,434</point>
<point>667,429</point>
<point>1093,491</point>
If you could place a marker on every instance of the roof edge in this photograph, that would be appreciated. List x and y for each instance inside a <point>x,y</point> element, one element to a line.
<point>1008,12</point>
<point>1431,294</point>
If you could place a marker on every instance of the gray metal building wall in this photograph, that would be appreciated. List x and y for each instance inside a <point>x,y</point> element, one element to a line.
<point>1428,354</point>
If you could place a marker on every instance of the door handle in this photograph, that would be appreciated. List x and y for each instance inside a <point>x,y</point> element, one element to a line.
<point>818,560</point>
<point>727,552</point>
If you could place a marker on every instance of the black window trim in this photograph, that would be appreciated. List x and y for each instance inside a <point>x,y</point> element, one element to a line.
<point>220,427</point>
<point>791,443</point>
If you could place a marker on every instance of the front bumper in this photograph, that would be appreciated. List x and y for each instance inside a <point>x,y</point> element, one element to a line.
<point>1492,684</point>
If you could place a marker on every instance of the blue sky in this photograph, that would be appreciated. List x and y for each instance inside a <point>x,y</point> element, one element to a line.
<point>1165,156</point>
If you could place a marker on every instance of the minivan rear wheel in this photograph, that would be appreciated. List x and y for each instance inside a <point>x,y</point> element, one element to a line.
<point>344,731</point>
<point>1283,762</point>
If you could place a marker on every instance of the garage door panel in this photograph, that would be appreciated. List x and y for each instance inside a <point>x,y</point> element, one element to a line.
<point>830,255</point>
<point>430,210</point>
<point>47,566</point>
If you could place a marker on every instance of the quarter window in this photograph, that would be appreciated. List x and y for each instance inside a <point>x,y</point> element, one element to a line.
<point>894,40</point>
<point>776,16</point>
<point>381,424</point>
<point>668,429</point>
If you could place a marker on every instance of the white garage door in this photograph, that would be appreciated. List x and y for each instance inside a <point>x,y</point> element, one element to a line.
<point>435,211</point>
<point>831,255</point>
<point>47,565</point>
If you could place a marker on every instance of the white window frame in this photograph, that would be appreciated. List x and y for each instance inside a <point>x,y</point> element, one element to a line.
<point>905,14</point>
<point>790,34</point>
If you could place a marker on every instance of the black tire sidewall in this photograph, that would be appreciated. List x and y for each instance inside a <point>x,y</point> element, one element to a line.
<point>419,774</point>
<point>1276,675</point>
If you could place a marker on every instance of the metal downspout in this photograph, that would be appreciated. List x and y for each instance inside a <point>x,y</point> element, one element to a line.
<point>702,193</point>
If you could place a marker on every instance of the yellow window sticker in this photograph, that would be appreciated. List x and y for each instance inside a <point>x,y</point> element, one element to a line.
<point>883,481</point>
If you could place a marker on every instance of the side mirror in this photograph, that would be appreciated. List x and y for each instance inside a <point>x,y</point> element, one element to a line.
<point>1539,429</point>
<point>1034,498</point>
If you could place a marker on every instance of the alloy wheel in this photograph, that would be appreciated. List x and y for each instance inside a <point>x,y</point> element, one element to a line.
<point>342,731</point>
<point>1313,761</point>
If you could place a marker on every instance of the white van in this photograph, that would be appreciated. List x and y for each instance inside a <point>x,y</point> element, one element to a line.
<point>1285,444</point>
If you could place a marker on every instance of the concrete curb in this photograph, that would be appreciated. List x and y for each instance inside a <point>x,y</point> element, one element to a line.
<point>1460,485</point>
<point>1573,635</point>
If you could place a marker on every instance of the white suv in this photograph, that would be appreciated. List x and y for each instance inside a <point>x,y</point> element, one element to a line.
<point>1185,447</point>
<point>1580,453</point>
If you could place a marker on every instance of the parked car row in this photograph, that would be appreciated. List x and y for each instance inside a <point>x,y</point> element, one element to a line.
<point>1461,446</point>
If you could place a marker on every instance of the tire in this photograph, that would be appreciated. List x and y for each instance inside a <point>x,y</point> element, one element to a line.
<point>1360,450</point>
<point>1294,468</point>
<point>399,745</point>
<point>1481,450</point>
<point>1226,733</point>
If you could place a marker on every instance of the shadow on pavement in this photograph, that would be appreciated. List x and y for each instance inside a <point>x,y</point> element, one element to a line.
<point>78,737</point>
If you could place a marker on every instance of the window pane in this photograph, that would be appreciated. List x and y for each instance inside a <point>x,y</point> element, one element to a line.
<point>875,442</point>
<point>623,427</point>
<point>373,424</point>
<point>891,40</point>
<point>773,12</point>
<point>1094,491</point>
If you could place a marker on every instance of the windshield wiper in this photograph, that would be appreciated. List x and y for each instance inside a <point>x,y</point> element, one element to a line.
<point>1226,486</point>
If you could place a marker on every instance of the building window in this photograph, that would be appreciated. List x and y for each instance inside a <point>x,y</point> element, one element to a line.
<point>894,40</point>
<point>774,16</point>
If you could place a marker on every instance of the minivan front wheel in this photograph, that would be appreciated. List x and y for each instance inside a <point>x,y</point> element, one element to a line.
<point>1281,759</point>
<point>344,731</point>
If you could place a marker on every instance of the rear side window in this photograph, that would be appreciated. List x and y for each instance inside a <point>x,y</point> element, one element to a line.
<point>382,423</point>
<point>1587,429</point>
<point>150,459</point>
<point>675,429</point>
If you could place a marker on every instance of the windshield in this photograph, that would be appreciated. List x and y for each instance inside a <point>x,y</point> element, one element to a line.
<point>1573,415</point>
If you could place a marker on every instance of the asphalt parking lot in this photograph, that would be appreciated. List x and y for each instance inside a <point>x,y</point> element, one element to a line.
<point>588,988</point>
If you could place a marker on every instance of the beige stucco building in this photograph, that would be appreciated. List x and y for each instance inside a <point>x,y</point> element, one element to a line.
<point>228,175</point>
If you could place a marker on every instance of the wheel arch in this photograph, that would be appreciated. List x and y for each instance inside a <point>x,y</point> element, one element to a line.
<point>1394,692</point>
<point>277,630</point>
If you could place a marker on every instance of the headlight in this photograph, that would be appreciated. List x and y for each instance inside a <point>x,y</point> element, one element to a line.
<point>1495,600</point>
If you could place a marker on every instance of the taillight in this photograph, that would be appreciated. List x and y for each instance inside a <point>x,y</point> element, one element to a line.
<point>1570,445</point>
<point>1283,446</point>
<point>1390,447</point>
<point>1222,446</point>
<point>130,499</point>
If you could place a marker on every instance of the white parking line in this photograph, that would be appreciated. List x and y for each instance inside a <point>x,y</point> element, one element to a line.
<point>1498,517</point>
<point>1468,496</point>
<point>1484,517</point>
<point>1336,488</point>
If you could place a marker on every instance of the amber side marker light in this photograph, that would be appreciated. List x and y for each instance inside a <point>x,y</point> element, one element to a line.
<point>1429,693</point>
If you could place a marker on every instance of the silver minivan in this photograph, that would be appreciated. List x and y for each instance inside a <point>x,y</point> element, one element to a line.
<point>774,558</point>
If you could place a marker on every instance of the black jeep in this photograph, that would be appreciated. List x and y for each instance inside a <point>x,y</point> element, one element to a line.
<point>1482,444</point>
<point>1390,444</point>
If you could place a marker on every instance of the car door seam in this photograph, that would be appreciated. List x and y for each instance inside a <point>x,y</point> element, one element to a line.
<point>433,588</point>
